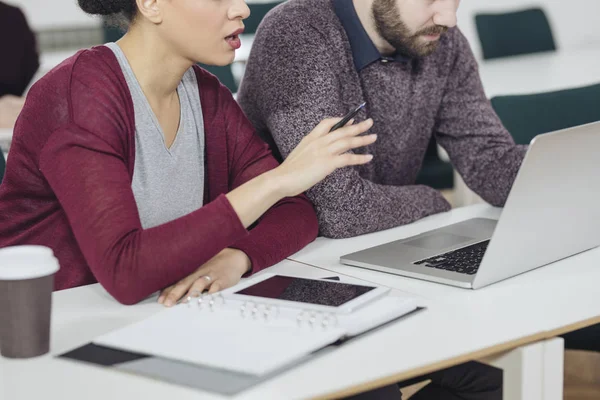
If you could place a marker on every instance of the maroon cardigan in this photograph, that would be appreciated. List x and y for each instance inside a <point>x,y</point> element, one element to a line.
<point>68,185</point>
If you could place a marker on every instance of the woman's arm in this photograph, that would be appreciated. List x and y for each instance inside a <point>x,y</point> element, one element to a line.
<point>263,189</point>
<point>91,181</point>
<point>288,225</point>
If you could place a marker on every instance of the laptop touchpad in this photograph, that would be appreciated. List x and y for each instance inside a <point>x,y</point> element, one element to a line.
<point>438,241</point>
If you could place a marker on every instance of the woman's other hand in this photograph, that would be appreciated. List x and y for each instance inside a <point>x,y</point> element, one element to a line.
<point>220,272</point>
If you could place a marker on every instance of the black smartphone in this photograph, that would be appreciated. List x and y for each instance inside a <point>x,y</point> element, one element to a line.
<point>348,117</point>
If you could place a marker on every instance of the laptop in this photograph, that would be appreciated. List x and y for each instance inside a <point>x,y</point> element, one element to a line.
<point>552,212</point>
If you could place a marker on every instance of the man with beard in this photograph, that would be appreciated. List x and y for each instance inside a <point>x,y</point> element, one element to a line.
<point>415,71</point>
<point>419,79</point>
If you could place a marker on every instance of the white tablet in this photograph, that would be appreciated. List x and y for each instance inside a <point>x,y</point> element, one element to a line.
<point>321,294</point>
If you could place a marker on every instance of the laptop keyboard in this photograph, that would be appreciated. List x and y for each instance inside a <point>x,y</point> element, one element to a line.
<point>465,260</point>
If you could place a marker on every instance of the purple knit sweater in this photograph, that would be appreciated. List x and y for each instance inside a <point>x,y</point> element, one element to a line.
<point>301,70</point>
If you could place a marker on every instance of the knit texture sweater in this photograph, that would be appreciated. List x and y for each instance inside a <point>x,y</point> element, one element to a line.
<point>301,70</point>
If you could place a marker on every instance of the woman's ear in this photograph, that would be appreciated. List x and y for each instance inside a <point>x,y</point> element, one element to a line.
<point>150,9</point>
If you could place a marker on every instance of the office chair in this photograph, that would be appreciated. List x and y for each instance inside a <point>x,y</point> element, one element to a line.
<point>514,33</point>
<point>526,116</point>
<point>435,172</point>
<point>257,13</point>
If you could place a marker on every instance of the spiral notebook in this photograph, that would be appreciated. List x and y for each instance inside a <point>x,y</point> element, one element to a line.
<point>261,326</point>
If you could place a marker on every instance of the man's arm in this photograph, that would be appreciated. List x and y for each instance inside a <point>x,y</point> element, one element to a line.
<point>479,146</point>
<point>290,84</point>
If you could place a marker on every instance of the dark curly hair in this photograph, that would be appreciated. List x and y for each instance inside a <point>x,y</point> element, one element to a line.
<point>116,8</point>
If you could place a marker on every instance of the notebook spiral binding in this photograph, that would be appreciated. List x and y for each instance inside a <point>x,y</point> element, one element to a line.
<point>305,318</point>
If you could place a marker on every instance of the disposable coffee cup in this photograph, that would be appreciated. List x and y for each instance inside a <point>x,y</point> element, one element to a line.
<point>26,284</point>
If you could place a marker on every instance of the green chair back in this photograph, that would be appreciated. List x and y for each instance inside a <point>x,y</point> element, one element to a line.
<point>257,13</point>
<point>526,116</point>
<point>435,172</point>
<point>520,32</point>
<point>2,165</point>
<point>112,33</point>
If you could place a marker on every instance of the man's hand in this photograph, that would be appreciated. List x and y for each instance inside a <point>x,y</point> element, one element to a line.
<point>10,108</point>
<point>220,272</point>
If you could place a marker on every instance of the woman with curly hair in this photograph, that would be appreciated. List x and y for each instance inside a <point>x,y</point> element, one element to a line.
<point>141,172</point>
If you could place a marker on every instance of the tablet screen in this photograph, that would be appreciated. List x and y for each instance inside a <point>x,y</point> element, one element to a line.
<point>310,291</point>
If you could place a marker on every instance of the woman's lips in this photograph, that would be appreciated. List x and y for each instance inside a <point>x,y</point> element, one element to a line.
<point>234,41</point>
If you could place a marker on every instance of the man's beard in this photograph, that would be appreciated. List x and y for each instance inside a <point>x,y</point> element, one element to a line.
<point>389,26</point>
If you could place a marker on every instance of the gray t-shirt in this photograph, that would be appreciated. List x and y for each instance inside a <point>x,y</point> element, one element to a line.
<point>168,183</point>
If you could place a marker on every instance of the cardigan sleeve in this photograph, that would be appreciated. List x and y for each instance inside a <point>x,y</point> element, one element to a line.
<point>87,164</point>
<point>286,227</point>
<point>92,184</point>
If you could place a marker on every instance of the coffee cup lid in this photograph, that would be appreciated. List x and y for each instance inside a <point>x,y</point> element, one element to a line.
<point>27,262</point>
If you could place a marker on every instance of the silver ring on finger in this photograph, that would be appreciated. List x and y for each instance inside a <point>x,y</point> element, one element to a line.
<point>208,278</point>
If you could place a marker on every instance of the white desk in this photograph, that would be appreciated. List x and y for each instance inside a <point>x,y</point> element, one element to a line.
<point>554,298</point>
<point>81,314</point>
<point>541,72</point>
<point>549,301</point>
<point>408,348</point>
<point>416,345</point>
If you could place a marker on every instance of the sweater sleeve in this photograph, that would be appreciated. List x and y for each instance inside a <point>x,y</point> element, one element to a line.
<point>286,227</point>
<point>478,145</point>
<point>300,89</point>
<point>92,184</point>
<point>85,162</point>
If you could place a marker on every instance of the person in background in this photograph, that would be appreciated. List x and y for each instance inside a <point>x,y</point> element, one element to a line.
<point>141,172</point>
<point>20,62</point>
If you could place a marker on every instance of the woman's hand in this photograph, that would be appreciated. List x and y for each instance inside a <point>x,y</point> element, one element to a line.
<point>220,272</point>
<point>320,153</point>
<point>316,156</point>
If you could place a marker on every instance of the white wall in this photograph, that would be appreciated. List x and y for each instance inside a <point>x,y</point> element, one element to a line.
<point>575,23</point>
<point>47,14</point>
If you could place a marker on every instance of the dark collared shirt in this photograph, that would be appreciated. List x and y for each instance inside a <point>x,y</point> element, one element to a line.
<point>364,51</point>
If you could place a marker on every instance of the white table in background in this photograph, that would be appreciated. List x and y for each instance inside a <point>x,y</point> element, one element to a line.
<point>550,301</point>
<point>541,72</point>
